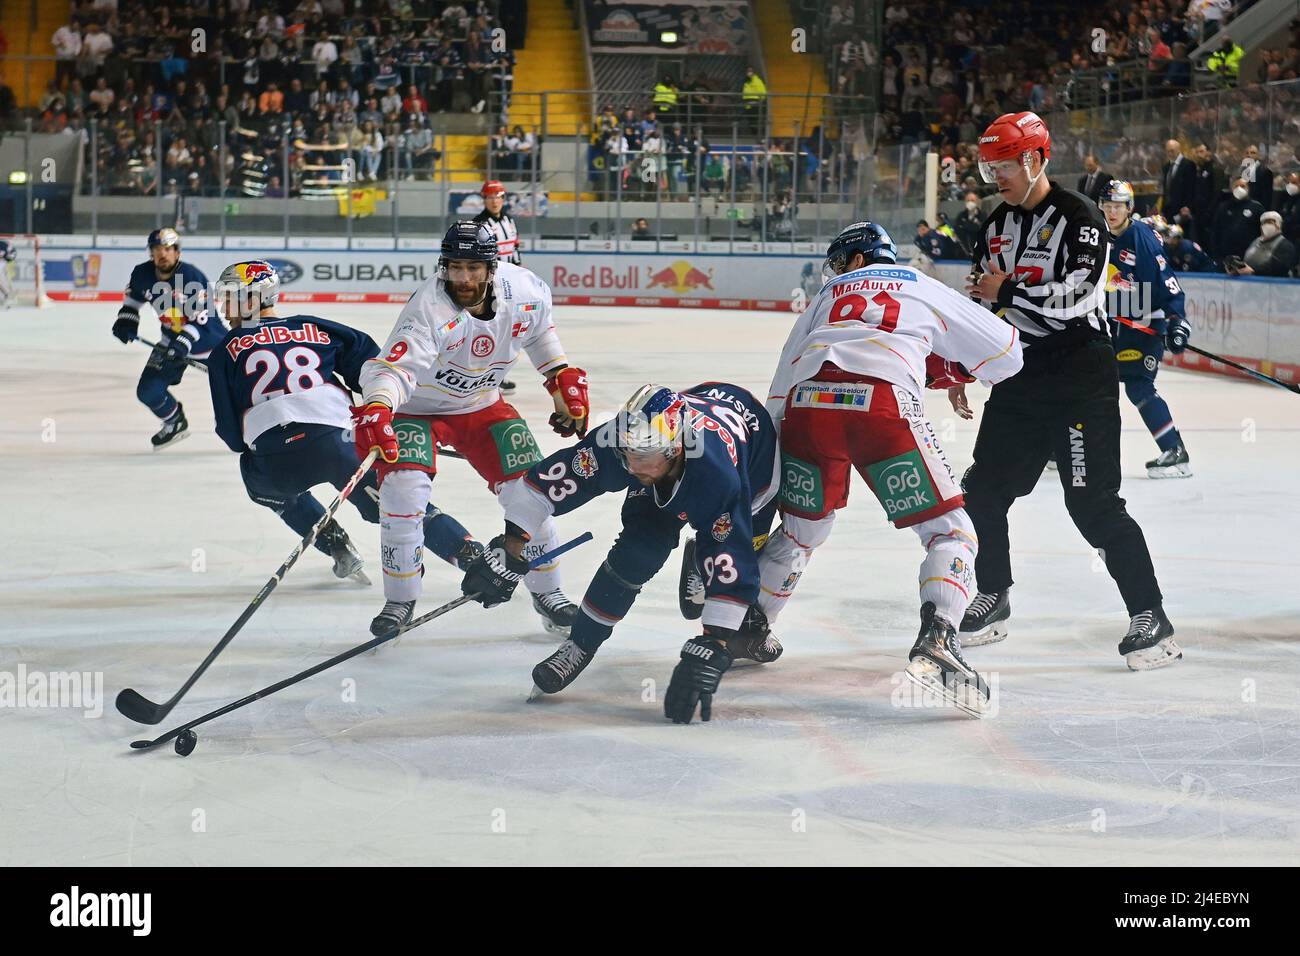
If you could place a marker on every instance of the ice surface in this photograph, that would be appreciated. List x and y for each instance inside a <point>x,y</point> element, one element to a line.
<point>436,757</point>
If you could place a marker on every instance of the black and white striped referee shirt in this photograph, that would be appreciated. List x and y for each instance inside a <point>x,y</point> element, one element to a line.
<point>1056,255</point>
<point>506,233</point>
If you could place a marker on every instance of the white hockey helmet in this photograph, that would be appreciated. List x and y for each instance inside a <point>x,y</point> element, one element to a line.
<point>239,284</point>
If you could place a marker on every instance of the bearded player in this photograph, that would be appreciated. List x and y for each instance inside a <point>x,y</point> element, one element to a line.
<point>436,383</point>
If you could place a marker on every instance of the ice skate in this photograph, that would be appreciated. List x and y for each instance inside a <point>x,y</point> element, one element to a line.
<point>935,663</point>
<point>755,643</point>
<point>174,429</point>
<point>557,612</point>
<point>690,586</point>
<point>1149,642</point>
<point>985,620</point>
<point>347,562</point>
<point>559,670</point>
<point>390,621</point>
<point>1173,463</point>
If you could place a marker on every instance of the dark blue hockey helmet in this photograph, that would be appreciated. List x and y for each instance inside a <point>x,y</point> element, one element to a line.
<point>166,236</point>
<point>865,237</point>
<point>468,241</point>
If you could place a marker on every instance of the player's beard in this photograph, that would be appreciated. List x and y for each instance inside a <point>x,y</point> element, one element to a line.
<point>469,295</point>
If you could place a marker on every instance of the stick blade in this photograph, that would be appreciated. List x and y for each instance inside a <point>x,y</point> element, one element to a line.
<point>141,744</point>
<point>131,705</point>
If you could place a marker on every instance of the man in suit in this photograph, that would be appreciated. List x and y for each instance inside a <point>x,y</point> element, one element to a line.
<point>1177,182</point>
<point>1208,191</point>
<point>1259,178</point>
<point>1093,179</point>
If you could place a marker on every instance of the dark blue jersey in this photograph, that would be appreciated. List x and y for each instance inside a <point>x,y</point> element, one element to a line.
<point>298,369</point>
<point>181,303</point>
<point>1140,285</point>
<point>1188,256</point>
<point>729,473</point>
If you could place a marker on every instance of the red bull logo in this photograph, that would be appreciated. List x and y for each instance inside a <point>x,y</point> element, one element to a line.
<point>681,276</point>
<point>585,463</point>
<point>722,527</point>
<point>252,271</point>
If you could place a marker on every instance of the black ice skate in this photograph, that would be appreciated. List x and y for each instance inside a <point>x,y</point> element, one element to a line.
<point>174,429</point>
<point>755,640</point>
<point>557,612</point>
<point>935,663</point>
<point>985,621</point>
<point>559,670</point>
<point>507,388</point>
<point>470,550</point>
<point>690,586</point>
<point>347,562</point>
<point>1173,463</point>
<point>390,621</point>
<point>1149,642</point>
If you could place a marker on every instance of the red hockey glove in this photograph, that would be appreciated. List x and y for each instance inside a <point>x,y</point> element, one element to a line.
<point>568,388</point>
<point>943,373</point>
<point>373,428</point>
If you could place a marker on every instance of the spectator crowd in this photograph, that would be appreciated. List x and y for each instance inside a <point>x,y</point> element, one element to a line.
<point>340,79</point>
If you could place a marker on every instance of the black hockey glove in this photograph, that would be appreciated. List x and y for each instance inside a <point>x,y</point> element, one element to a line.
<point>695,679</point>
<point>492,577</point>
<point>126,326</point>
<point>1176,334</point>
<point>178,349</point>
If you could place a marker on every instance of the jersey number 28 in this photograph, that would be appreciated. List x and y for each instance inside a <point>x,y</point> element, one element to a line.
<point>300,368</point>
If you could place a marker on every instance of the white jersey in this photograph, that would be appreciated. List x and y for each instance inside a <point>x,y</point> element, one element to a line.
<point>883,320</point>
<point>440,360</point>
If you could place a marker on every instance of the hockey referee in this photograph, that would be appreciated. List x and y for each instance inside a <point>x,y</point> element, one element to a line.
<point>503,227</point>
<point>1040,263</point>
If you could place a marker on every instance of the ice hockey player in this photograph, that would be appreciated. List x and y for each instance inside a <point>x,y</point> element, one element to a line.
<point>503,228</point>
<point>436,383</point>
<point>1040,264</point>
<point>178,292</point>
<point>705,457</point>
<point>281,394</point>
<point>847,395</point>
<point>1145,305</point>
<point>7,255</point>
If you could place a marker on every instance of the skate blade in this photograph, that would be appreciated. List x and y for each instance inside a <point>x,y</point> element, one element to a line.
<point>173,441</point>
<point>360,577</point>
<point>992,634</point>
<point>552,628</point>
<point>1171,471</point>
<point>535,694</point>
<point>1150,658</point>
<point>926,674</point>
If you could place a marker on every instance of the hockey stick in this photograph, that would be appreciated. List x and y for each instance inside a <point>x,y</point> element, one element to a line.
<point>191,362</point>
<point>184,748</point>
<point>135,706</point>
<point>1289,386</point>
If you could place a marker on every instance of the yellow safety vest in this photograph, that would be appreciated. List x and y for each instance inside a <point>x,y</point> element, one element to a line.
<point>665,96</point>
<point>755,88</point>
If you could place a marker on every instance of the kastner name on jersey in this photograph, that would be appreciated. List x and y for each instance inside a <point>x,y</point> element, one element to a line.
<point>440,360</point>
<point>882,321</point>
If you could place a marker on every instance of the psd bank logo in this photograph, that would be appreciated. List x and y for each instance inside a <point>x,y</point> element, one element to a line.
<point>289,270</point>
<point>681,276</point>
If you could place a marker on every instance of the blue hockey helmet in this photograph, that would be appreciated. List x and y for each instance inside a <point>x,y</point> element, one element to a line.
<point>468,241</point>
<point>865,237</point>
<point>166,236</point>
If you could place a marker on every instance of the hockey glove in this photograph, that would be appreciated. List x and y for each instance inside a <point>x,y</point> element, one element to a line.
<point>568,389</point>
<point>373,428</point>
<point>126,326</point>
<point>1176,334</point>
<point>492,577</point>
<point>695,679</point>
<point>943,373</point>
<point>178,349</point>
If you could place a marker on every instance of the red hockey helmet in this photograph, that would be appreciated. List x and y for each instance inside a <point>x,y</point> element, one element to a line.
<point>492,188</point>
<point>1014,137</point>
